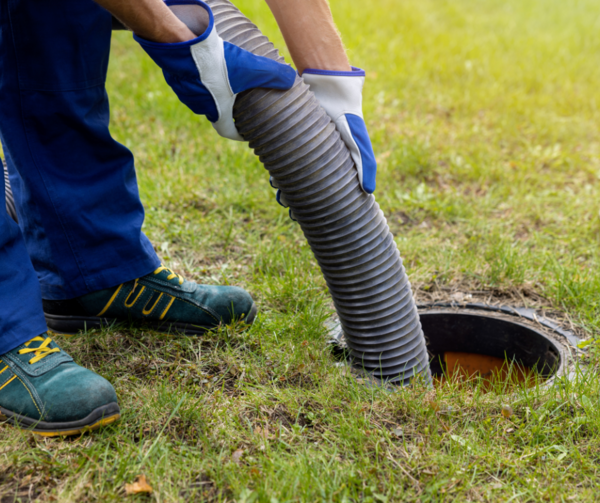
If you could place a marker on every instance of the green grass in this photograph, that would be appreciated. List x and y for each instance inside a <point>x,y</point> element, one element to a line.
<point>484,117</point>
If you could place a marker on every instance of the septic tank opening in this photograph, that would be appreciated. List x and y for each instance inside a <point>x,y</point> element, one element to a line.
<point>467,344</point>
<point>464,341</point>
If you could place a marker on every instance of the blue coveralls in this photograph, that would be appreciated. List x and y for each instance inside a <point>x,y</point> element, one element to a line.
<point>75,187</point>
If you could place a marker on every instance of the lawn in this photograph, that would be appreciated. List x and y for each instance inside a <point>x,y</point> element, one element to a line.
<point>484,117</point>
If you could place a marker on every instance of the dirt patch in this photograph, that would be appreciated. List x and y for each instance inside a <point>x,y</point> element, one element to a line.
<point>204,489</point>
<point>464,293</point>
<point>523,298</point>
<point>20,485</point>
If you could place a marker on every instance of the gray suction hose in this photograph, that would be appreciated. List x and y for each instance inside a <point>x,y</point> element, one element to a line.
<point>10,202</point>
<point>298,144</point>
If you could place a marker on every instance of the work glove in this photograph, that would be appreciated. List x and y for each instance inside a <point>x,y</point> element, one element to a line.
<point>207,73</point>
<point>340,94</point>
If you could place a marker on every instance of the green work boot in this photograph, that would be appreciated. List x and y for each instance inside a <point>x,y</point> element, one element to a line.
<point>44,391</point>
<point>161,300</point>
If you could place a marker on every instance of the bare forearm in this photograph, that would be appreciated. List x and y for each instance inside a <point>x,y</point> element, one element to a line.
<point>310,34</point>
<point>150,19</point>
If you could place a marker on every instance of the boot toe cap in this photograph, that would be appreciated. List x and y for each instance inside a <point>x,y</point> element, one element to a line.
<point>232,303</point>
<point>75,394</point>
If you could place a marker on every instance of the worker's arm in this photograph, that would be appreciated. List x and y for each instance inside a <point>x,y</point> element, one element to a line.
<point>319,55</point>
<point>307,26</point>
<point>204,71</point>
<point>310,34</point>
<point>150,19</point>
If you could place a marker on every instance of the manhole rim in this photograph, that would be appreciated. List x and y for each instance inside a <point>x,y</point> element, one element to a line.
<point>566,345</point>
<point>564,357</point>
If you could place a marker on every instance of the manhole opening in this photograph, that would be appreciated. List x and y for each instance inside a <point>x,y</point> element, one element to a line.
<point>492,342</point>
<point>464,345</point>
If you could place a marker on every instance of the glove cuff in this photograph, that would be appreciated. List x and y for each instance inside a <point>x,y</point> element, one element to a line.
<point>355,72</point>
<point>149,45</point>
<point>339,93</point>
<point>175,58</point>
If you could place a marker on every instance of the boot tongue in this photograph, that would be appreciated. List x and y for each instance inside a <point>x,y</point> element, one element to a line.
<point>161,276</point>
<point>164,276</point>
<point>37,344</point>
<point>50,361</point>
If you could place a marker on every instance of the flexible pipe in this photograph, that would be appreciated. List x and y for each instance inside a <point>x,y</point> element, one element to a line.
<point>298,144</point>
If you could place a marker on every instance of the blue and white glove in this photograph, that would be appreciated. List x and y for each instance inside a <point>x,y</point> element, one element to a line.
<point>207,73</point>
<point>340,94</point>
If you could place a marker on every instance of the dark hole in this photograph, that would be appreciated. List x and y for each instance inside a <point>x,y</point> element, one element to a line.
<point>452,334</point>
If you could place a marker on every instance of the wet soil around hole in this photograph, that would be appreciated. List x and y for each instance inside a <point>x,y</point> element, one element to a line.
<point>464,293</point>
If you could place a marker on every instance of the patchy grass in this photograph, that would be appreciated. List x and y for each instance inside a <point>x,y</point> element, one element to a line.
<point>484,117</point>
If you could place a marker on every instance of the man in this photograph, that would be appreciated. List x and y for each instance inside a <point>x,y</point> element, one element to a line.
<point>80,247</point>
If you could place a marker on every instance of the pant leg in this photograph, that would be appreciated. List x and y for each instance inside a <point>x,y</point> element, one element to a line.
<point>21,315</point>
<point>75,186</point>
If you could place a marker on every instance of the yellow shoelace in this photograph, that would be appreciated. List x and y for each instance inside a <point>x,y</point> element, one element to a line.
<point>41,351</point>
<point>171,273</point>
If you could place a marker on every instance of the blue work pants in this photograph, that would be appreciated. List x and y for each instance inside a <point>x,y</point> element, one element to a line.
<point>75,187</point>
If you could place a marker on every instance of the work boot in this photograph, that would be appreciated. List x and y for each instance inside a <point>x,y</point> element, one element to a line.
<point>162,300</point>
<point>44,391</point>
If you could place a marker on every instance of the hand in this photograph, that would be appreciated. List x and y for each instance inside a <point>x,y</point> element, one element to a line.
<point>207,73</point>
<point>340,94</point>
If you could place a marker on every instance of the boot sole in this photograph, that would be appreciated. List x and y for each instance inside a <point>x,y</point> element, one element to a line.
<point>71,325</point>
<point>102,416</point>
